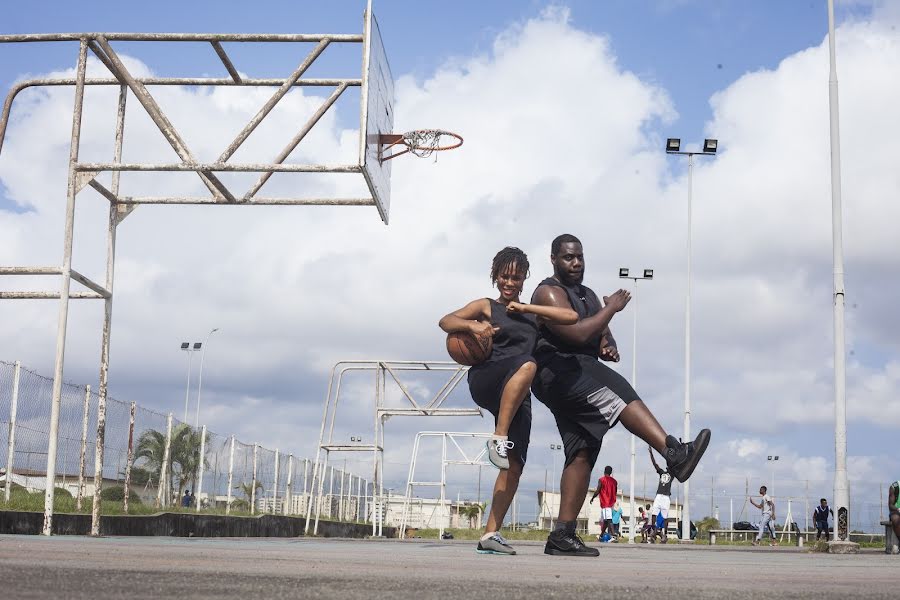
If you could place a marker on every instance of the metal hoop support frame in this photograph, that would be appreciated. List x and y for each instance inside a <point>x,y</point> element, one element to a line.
<point>421,142</point>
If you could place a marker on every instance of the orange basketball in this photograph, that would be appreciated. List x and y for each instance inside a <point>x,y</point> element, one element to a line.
<point>467,349</point>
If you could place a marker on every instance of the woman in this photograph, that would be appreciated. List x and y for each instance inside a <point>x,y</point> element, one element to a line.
<point>501,384</point>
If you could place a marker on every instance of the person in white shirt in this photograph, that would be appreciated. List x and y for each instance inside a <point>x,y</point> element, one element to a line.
<point>767,506</point>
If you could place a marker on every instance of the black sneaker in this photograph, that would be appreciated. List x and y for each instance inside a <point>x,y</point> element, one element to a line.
<point>564,543</point>
<point>682,458</point>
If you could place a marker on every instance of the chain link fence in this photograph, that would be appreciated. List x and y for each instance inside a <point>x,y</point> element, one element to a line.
<point>158,455</point>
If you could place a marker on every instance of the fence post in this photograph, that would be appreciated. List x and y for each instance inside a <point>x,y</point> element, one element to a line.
<point>253,483</point>
<point>162,491</point>
<point>287,507</point>
<point>200,466</point>
<point>330,495</point>
<point>129,457</point>
<point>306,498</point>
<point>11,440</point>
<point>275,485</point>
<point>83,460</point>
<point>230,477</point>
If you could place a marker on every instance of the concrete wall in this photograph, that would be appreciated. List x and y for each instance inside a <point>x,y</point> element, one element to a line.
<point>181,525</point>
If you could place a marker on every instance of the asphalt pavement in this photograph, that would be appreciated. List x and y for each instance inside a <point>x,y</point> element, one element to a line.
<point>133,568</point>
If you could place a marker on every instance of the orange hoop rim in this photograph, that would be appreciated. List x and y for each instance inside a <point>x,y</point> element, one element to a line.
<point>389,140</point>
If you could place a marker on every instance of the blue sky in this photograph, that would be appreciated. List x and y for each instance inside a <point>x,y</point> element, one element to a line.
<point>627,73</point>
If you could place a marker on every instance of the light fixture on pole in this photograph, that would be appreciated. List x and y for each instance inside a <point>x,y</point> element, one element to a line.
<point>673,146</point>
<point>186,347</point>
<point>200,382</point>
<point>648,275</point>
<point>772,459</point>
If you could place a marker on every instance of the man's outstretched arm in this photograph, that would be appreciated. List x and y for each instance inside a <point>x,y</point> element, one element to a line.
<point>585,329</point>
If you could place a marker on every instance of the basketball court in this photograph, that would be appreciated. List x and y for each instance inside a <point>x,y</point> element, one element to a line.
<point>94,568</point>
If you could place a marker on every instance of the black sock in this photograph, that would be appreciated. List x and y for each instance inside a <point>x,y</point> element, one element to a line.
<point>567,526</point>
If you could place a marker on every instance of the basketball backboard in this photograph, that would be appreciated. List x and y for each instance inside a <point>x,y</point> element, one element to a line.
<point>377,114</point>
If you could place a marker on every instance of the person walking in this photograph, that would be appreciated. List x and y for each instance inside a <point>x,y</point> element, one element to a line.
<point>820,518</point>
<point>767,522</point>
<point>616,521</point>
<point>586,397</point>
<point>501,384</point>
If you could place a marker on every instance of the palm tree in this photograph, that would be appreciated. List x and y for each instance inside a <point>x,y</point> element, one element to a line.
<point>151,447</point>
<point>185,455</point>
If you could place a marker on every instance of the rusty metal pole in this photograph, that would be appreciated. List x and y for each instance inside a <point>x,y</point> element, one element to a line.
<point>130,457</point>
<point>230,477</point>
<point>83,459</point>
<point>200,466</point>
<point>253,483</point>
<point>287,506</point>
<point>11,440</point>
<point>66,273</point>
<point>112,224</point>
<point>162,492</point>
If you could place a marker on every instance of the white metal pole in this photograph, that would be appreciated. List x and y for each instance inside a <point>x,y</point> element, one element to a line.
<point>841,485</point>
<point>275,484</point>
<point>201,464</point>
<point>731,516</point>
<point>113,219</point>
<point>83,458</point>
<point>341,497</point>
<point>288,504</point>
<point>162,494</point>
<point>230,477</point>
<point>200,377</point>
<point>187,387</point>
<point>253,483</point>
<point>685,507</point>
<point>11,440</point>
<point>331,492</point>
<point>130,457</point>
<point>359,498</point>
<point>66,273</point>
<point>444,483</point>
<point>631,519</point>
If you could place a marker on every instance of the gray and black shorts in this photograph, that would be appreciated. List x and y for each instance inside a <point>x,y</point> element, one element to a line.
<point>586,398</point>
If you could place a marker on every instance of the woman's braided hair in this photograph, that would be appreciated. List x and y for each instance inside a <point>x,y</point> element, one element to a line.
<point>509,257</point>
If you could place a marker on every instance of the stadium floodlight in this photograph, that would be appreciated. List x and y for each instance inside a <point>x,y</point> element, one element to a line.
<point>648,273</point>
<point>198,345</point>
<point>623,273</point>
<point>185,345</point>
<point>710,146</point>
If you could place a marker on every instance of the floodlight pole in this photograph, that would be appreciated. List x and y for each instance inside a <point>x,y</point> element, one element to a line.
<point>708,150</point>
<point>187,387</point>
<point>841,485</point>
<point>200,377</point>
<point>623,274</point>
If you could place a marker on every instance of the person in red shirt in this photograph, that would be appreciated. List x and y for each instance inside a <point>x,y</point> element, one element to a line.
<point>607,488</point>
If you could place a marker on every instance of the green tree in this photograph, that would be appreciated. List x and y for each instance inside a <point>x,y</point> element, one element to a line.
<point>151,447</point>
<point>184,456</point>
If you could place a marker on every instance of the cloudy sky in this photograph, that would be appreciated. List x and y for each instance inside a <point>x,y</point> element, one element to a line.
<point>565,108</point>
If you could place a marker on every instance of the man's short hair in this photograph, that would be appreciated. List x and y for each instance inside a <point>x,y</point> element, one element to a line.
<point>764,488</point>
<point>565,238</point>
<point>607,470</point>
<point>823,500</point>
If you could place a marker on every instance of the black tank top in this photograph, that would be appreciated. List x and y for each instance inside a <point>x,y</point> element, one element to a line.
<point>518,333</point>
<point>586,303</point>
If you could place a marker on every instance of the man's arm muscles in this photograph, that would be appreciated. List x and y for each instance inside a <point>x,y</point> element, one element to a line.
<point>582,331</point>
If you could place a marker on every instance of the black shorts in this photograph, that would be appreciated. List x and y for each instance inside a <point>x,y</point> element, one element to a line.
<point>486,383</point>
<point>585,396</point>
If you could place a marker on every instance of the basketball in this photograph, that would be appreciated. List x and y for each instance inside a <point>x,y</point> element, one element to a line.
<point>466,349</point>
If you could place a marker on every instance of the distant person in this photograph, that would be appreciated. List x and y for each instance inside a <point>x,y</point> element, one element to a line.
<point>186,499</point>
<point>663,501</point>
<point>501,383</point>
<point>820,518</point>
<point>607,488</point>
<point>894,511</point>
<point>767,506</point>
<point>616,520</point>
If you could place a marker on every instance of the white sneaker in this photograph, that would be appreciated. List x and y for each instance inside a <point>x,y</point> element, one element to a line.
<point>496,544</point>
<point>497,452</point>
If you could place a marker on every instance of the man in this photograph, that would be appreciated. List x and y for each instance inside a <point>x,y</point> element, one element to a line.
<point>186,499</point>
<point>820,518</point>
<point>587,397</point>
<point>607,488</point>
<point>663,502</point>
<point>767,506</point>
<point>894,511</point>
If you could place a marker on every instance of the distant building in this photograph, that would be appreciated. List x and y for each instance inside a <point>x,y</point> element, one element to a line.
<point>589,515</point>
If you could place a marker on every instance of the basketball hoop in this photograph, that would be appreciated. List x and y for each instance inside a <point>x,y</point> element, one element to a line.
<point>421,142</point>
